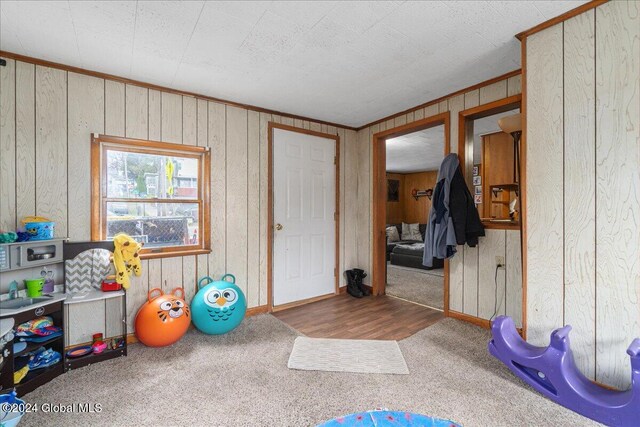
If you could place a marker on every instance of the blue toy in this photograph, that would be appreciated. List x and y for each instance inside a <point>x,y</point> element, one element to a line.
<point>219,306</point>
<point>384,418</point>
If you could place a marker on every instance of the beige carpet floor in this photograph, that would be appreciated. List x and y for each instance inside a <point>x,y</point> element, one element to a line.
<point>242,379</point>
<point>412,284</point>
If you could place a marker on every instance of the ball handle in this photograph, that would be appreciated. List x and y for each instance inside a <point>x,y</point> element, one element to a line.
<point>229,275</point>
<point>207,278</point>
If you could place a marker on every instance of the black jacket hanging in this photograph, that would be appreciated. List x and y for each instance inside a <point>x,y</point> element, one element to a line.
<point>466,220</point>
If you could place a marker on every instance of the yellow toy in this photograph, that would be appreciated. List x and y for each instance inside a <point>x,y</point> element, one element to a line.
<point>126,258</point>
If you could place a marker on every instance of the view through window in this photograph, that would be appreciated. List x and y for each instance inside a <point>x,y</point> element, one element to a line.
<point>153,193</point>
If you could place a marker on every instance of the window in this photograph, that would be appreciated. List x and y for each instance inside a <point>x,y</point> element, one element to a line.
<point>158,193</point>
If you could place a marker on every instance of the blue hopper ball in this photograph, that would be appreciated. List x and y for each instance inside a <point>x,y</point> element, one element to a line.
<point>219,306</point>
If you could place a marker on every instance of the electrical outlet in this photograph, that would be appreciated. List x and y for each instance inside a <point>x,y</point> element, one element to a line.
<point>500,260</point>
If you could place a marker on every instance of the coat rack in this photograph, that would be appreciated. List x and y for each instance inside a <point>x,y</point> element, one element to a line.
<point>421,193</point>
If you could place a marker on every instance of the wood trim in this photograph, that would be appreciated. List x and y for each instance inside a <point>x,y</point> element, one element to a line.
<point>447,275</point>
<point>495,107</point>
<point>270,215</point>
<point>483,323</point>
<point>152,145</point>
<point>303,302</point>
<point>271,126</point>
<point>205,220</point>
<point>174,253</point>
<point>553,21</point>
<point>484,110</point>
<point>378,207</point>
<point>132,200</point>
<point>442,98</point>
<point>275,125</point>
<point>523,186</point>
<point>336,216</point>
<point>500,226</point>
<point>96,180</point>
<point>78,70</point>
<point>254,311</point>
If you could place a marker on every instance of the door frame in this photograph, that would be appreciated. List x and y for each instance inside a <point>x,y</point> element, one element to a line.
<point>270,128</point>
<point>379,163</point>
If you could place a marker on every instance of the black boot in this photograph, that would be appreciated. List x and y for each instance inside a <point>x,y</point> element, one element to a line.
<point>352,287</point>
<point>359,276</point>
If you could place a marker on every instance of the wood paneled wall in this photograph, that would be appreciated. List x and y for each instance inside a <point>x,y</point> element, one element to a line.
<point>583,186</point>
<point>46,118</point>
<point>395,210</point>
<point>417,211</point>
<point>467,285</point>
<point>407,208</point>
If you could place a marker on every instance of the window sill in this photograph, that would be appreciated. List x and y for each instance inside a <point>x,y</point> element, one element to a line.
<point>173,254</point>
<point>495,225</point>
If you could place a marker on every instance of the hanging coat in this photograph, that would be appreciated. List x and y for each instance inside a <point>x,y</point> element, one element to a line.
<point>440,238</point>
<point>453,219</point>
<point>464,213</point>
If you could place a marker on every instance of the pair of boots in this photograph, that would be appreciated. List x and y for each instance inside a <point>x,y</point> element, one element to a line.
<point>355,288</point>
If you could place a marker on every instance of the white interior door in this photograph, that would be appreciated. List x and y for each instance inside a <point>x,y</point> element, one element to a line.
<point>304,185</point>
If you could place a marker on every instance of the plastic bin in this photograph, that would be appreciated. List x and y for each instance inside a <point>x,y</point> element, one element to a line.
<point>11,418</point>
<point>39,228</point>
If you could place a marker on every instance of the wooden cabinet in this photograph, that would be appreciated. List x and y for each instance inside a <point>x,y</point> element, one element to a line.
<point>498,181</point>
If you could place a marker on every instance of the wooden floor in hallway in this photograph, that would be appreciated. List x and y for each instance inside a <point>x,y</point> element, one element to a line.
<point>342,316</point>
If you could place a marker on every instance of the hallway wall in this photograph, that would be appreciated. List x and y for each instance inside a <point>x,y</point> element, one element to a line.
<point>583,186</point>
<point>471,285</point>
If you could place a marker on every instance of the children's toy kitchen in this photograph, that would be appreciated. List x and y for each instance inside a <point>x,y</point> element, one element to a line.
<point>60,308</point>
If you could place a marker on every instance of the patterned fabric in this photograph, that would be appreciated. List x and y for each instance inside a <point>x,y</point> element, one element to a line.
<point>35,324</point>
<point>411,232</point>
<point>392,234</point>
<point>87,270</point>
<point>383,418</point>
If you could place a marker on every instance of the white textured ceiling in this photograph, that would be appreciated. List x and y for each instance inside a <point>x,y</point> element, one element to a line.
<point>416,152</point>
<point>348,62</point>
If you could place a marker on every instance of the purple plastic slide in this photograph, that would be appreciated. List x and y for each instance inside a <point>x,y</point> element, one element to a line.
<point>553,372</point>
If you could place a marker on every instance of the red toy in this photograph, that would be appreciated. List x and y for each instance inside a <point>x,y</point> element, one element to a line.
<point>163,319</point>
<point>110,285</point>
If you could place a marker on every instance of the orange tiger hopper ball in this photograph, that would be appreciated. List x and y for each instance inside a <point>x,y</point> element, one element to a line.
<point>163,319</point>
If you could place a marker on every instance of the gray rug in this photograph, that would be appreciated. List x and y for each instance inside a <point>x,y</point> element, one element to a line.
<point>333,355</point>
<point>242,379</point>
<point>412,284</point>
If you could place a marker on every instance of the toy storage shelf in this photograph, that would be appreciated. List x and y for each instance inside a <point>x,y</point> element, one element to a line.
<point>37,377</point>
<point>92,358</point>
<point>71,251</point>
<point>96,295</point>
<point>34,345</point>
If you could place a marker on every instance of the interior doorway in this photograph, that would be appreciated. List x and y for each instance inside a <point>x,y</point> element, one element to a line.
<point>408,260</point>
<point>303,220</point>
<point>412,164</point>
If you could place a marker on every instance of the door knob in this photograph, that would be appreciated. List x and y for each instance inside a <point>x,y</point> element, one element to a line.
<point>279,227</point>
